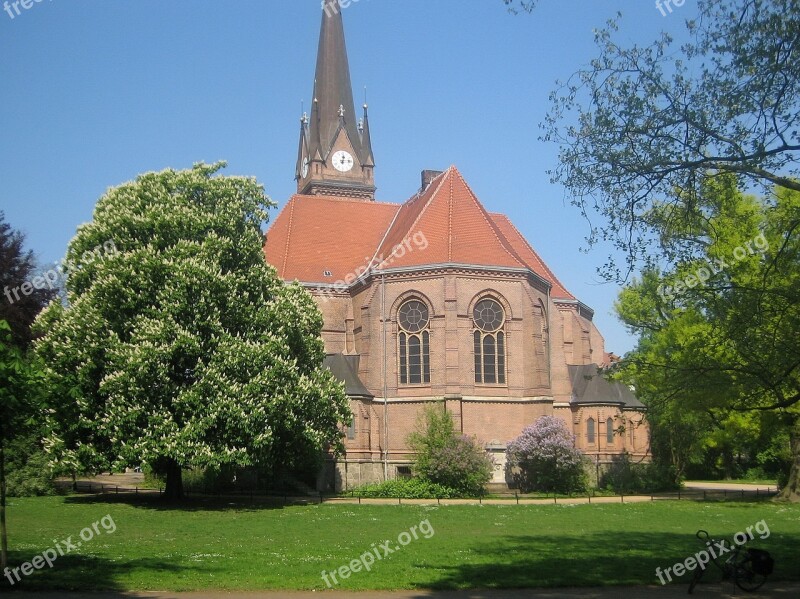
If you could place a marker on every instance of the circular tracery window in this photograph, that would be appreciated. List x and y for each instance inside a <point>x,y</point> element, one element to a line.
<point>488,315</point>
<point>413,316</point>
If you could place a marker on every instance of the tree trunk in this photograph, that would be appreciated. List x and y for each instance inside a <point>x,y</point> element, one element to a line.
<point>791,491</point>
<point>727,464</point>
<point>3,531</point>
<point>174,489</point>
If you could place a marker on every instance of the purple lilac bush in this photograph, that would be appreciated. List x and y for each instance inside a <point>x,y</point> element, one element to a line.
<point>544,458</point>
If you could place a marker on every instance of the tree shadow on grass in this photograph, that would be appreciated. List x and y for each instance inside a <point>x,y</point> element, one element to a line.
<point>81,572</point>
<point>190,504</point>
<point>595,559</point>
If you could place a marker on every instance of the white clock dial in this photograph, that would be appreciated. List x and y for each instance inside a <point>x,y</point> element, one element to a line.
<point>342,161</point>
<point>304,168</point>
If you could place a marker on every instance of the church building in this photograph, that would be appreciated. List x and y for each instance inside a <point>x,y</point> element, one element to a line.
<point>435,299</point>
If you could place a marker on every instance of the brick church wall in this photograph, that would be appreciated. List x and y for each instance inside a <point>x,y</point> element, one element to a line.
<point>542,337</point>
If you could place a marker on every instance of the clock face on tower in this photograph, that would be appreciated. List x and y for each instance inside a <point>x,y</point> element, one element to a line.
<point>304,169</point>
<point>342,161</point>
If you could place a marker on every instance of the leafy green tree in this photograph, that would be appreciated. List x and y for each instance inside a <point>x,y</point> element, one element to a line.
<point>24,294</point>
<point>444,457</point>
<point>19,381</point>
<point>179,346</point>
<point>718,334</point>
<point>643,127</point>
<point>648,136</point>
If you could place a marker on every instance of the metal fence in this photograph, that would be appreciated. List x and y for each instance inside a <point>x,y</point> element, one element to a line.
<point>758,494</point>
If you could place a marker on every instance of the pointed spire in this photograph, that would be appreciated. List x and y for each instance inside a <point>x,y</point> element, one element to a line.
<point>366,141</point>
<point>333,125</point>
<point>333,91</point>
<point>302,151</point>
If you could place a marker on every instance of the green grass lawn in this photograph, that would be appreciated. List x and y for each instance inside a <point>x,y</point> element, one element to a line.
<point>241,547</point>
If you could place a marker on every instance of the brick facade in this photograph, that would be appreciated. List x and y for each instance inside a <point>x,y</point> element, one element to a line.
<point>543,336</point>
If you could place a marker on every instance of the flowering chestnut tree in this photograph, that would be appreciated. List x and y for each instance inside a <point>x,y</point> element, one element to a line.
<point>183,348</point>
<point>544,458</point>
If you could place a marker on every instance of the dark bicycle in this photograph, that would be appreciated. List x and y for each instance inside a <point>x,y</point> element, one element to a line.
<point>748,568</point>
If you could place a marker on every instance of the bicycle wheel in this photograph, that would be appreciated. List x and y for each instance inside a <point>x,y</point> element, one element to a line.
<point>745,578</point>
<point>698,574</point>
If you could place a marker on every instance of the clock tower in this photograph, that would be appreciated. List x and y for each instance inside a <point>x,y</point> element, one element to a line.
<point>335,154</point>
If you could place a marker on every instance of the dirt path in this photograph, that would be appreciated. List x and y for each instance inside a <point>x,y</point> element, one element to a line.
<point>723,486</point>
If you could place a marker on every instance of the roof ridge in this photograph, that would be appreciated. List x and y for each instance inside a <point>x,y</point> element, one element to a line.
<point>422,191</point>
<point>288,235</point>
<point>485,214</point>
<point>536,254</point>
<point>433,194</point>
<point>385,235</point>
<point>450,223</point>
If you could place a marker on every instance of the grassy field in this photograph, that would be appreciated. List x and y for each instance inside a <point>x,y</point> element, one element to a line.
<point>241,547</point>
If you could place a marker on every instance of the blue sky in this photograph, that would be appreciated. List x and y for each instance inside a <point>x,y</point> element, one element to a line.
<point>93,92</point>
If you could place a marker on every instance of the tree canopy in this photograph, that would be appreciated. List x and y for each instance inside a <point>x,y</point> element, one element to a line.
<point>642,128</point>
<point>718,334</point>
<point>25,293</point>
<point>21,299</point>
<point>182,347</point>
<point>662,141</point>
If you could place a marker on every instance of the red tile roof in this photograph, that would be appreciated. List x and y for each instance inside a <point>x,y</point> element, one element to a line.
<point>529,255</point>
<point>457,227</point>
<point>315,234</point>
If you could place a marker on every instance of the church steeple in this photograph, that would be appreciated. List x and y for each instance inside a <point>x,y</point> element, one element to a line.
<point>335,155</point>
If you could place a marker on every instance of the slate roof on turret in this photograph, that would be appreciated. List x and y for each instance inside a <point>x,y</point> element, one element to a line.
<point>590,387</point>
<point>343,369</point>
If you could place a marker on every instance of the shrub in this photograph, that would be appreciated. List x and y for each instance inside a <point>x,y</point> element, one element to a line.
<point>624,476</point>
<point>28,470</point>
<point>544,458</point>
<point>405,488</point>
<point>447,458</point>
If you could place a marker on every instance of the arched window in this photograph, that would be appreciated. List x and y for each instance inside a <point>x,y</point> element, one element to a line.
<point>415,360</point>
<point>590,430</point>
<point>610,431</point>
<point>489,343</point>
